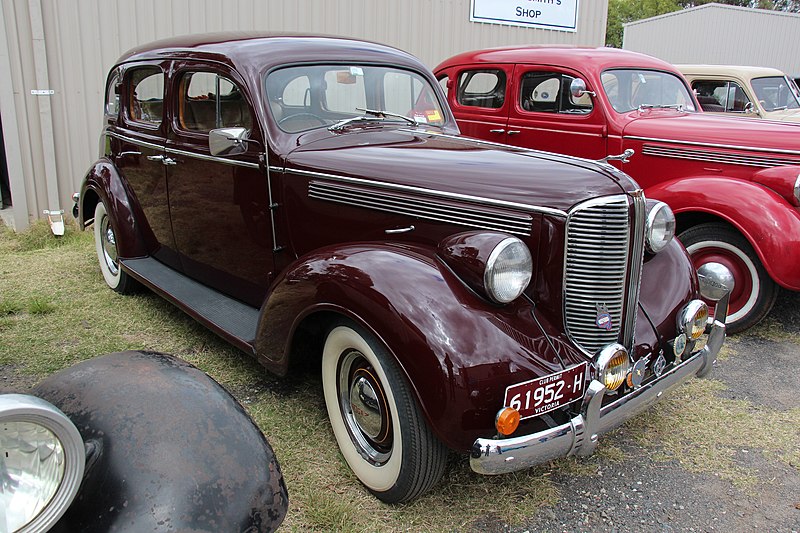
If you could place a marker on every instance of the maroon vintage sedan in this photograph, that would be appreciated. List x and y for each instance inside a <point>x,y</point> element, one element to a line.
<point>310,200</point>
<point>734,184</point>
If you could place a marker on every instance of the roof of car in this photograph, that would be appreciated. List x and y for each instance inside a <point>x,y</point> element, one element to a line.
<point>264,50</point>
<point>741,71</point>
<point>598,59</point>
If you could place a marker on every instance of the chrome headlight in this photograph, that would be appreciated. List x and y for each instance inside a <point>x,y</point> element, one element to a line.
<point>660,227</point>
<point>613,365</point>
<point>508,270</point>
<point>693,318</point>
<point>42,463</point>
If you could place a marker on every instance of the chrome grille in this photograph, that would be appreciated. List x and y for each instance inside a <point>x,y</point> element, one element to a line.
<point>595,270</point>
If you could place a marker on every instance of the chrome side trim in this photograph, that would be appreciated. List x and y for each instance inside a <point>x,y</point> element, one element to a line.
<point>635,272</point>
<point>424,208</point>
<point>430,192</point>
<point>184,153</point>
<point>717,157</point>
<point>713,145</point>
<point>212,158</point>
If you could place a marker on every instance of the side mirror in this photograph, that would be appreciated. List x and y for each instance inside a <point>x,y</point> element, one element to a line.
<point>227,141</point>
<point>577,88</point>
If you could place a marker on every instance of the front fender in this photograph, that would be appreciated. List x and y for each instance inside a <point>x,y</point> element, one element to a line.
<point>763,217</point>
<point>167,449</point>
<point>457,351</point>
<point>103,183</point>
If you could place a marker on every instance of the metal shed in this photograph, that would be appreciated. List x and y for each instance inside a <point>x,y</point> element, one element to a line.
<point>721,35</point>
<point>54,57</point>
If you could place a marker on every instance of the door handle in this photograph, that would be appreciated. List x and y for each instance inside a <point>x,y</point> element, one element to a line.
<point>497,131</point>
<point>164,159</point>
<point>513,132</point>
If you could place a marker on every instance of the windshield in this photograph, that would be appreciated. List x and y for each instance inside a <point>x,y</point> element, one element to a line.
<point>314,96</point>
<point>775,93</point>
<point>629,89</point>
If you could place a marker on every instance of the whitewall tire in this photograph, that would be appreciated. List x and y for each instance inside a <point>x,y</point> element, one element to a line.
<point>375,417</point>
<point>105,242</point>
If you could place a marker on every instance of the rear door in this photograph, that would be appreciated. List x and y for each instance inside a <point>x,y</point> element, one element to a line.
<point>138,148</point>
<point>478,98</point>
<point>544,115</point>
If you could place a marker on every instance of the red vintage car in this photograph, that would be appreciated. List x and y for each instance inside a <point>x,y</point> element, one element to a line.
<point>310,200</point>
<point>734,185</point>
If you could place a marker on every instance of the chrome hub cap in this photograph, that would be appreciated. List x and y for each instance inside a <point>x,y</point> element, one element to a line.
<point>364,408</point>
<point>109,246</point>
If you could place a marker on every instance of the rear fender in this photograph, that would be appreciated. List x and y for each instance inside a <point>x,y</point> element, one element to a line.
<point>769,223</point>
<point>103,182</point>
<point>456,350</point>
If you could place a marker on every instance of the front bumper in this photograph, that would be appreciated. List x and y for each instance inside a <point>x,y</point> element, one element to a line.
<point>579,436</point>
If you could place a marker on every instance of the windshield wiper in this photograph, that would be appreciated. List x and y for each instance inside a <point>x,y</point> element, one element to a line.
<point>342,123</point>
<point>384,114</point>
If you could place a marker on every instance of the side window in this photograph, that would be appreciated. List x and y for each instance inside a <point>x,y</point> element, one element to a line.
<point>443,84</point>
<point>549,92</point>
<point>482,88</point>
<point>146,92</point>
<point>112,96</point>
<point>719,96</point>
<point>344,90</point>
<point>208,101</point>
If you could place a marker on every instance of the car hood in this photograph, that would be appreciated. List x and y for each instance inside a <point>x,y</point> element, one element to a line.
<point>459,165</point>
<point>786,115</point>
<point>708,129</point>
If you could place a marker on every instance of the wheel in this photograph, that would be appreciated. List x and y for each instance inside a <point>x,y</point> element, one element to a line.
<point>375,417</point>
<point>718,246</point>
<point>105,243</point>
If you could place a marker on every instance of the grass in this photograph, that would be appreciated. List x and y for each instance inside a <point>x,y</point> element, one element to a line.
<point>55,311</point>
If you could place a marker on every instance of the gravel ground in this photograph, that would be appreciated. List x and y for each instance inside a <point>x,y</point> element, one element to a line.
<point>641,494</point>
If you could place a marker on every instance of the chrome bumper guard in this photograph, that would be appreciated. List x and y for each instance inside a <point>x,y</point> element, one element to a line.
<point>579,436</point>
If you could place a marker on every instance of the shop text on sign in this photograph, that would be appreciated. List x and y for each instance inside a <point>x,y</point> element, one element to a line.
<point>551,14</point>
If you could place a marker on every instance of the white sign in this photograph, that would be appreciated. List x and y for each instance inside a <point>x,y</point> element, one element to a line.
<point>559,15</point>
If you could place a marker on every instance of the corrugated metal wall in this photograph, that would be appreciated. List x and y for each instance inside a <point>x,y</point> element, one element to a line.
<point>80,39</point>
<point>721,35</point>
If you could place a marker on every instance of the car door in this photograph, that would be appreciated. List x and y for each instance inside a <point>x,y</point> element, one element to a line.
<point>138,147</point>
<point>544,115</point>
<point>219,204</point>
<point>477,95</point>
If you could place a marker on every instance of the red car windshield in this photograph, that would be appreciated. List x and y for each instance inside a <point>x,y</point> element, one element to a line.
<point>629,89</point>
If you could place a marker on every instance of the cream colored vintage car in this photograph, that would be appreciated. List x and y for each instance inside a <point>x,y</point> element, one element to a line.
<point>744,91</point>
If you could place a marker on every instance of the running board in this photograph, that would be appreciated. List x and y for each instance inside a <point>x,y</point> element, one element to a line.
<point>231,319</point>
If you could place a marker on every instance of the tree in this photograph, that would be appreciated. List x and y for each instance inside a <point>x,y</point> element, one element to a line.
<point>623,11</point>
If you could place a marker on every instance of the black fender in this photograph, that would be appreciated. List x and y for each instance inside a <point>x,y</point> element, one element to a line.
<point>168,449</point>
<point>104,182</point>
<point>457,350</point>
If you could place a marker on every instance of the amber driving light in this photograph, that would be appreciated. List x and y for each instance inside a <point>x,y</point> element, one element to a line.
<point>693,318</point>
<point>507,421</point>
<point>613,365</point>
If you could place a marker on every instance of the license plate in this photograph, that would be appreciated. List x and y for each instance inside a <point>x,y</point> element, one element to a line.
<point>539,396</point>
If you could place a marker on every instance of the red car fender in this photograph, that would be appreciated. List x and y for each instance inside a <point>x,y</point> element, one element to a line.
<point>457,351</point>
<point>763,217</point>
<point>103,182</point>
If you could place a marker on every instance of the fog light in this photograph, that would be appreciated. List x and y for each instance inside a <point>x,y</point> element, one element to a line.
<point>679,345</point>
<point>613,365</point>
<point>507,421</point>
<point>693,318</point>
